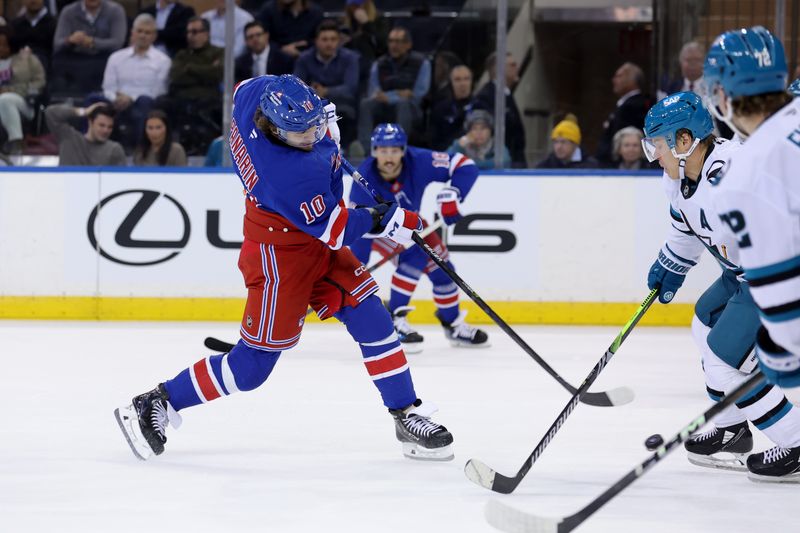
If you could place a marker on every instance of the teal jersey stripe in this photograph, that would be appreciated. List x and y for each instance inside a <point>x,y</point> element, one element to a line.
<point>771,270</point>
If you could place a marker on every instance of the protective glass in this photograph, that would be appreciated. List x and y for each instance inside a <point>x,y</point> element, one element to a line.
<point>654,147</point>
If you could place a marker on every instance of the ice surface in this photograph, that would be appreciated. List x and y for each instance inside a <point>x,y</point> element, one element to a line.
<point>313,450</point>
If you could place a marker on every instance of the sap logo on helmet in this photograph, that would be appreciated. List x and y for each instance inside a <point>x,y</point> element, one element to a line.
<point>671,100</point>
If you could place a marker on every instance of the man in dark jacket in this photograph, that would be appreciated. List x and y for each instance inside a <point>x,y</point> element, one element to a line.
<point>515,130</point>
<point>260,58</point>
<point>35,28</point>
<point>171,20</point>
<point>566,138</point>
<point>398,81</point>
<point>448,114</point>
<point>291,24</point>
<point>631,108</point>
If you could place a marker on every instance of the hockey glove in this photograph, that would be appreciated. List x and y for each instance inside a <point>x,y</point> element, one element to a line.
<point>778,366</point>
<point>448,200</point>
<point>333,127</point>
<point>394,222</point>
<point>667,274</point>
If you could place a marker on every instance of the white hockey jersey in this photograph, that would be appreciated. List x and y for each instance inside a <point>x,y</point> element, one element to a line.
<point>758,199</point>
<point>695,225</point>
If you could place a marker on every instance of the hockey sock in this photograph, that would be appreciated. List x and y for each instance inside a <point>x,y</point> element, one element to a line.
<point>404,281</point>
<point>445,294</point>
<point>371,327</point>
<point>243,369</point>
<point>769,410</point>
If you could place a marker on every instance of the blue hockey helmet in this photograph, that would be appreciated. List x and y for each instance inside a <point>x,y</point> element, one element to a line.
<point>794,87</point>
<point>388,134</point>
<point>746,62</point>
<point>294,108</point>
<point>679,111</point>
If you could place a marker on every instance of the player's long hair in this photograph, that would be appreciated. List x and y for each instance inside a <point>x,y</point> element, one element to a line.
<point>761,104</point>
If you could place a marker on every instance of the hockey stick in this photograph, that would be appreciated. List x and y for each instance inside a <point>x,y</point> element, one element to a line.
<point>480,473</point>
<point>513,520</point>
<point>218,345</point>
<point>613,397</point>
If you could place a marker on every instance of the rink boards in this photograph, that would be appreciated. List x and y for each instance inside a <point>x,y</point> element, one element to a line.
<point>540,247</point>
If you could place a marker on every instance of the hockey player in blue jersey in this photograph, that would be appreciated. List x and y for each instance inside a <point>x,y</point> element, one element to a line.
<point>295,255</point>
<point>679,135</point>
<point>402,172</point>
<point>758,200</point>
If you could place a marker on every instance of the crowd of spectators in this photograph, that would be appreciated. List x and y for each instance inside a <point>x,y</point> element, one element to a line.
<point>152,87</point>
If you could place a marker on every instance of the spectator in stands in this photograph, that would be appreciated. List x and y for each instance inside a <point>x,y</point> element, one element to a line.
<point>260,58</point>
<point>566,137</point>
<point>291,24</point>
<point>448,113</point>
<point>156,147</point>
<point>443,63</point>
<point>366,32</point>
<point>216,17</point>
<point>92,148</point>
<point>691,60</point>
<point>171,20</point>
<point>397,84</point>
<point>478,142</point>
<point>628,154</point>
<point>21,76</point>
<point>35,28</point>
<point>88,31</point>
<point>631,108</point>
<point>134,77</point>
<point>333,74</point>
<point>515,130</point>
<point>195,100</point>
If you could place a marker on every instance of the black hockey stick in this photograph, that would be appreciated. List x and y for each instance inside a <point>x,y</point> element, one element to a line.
<point>513,520</point>
<point>217,345</point>
<point>619,396</point>
<point>480,473</point>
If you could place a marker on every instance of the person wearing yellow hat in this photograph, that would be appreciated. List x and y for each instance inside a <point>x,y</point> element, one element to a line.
<point>566,138</point>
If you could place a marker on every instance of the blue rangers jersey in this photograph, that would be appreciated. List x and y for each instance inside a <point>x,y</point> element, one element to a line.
<point>421,167</point>
<point>303,187</point>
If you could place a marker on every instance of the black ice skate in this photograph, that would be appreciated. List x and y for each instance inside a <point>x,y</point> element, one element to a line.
<point>422,438</point>
<point>409,338</point>
<point>145,421</point>
<point>776,465</point>
<point>462,334</point>
<point>724,448</point>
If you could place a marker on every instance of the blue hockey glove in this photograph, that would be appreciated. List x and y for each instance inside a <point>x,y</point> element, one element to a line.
<point>448,200</point>
<point>667,274</point>
<point>778,366</point>
<point>394,222</point>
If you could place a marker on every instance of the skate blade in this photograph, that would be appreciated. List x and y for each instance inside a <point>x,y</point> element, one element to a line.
<point>735,462</point>
<point>412,347</point>
<point>420,453</point>
<point>791,478</point>
<point>129,425</point>
<point>464,344</point>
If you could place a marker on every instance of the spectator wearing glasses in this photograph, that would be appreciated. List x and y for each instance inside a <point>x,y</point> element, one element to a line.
<point>398,82</point>
<point>259,57</point>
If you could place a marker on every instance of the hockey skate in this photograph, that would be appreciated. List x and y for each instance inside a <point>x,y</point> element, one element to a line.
<point>462,334</point>
<point>776,465</point>
<point>409,338</point>
<point>725,448</point>
<point>422,438</point>
<point>144,422</point>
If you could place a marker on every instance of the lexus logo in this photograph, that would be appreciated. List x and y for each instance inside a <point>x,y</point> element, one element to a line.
<point>125,249</point>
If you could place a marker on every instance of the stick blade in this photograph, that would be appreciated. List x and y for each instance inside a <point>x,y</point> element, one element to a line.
<point>482,474</point>
<point>506,518</point>
<point>216,345</point>
<point>612,398</point>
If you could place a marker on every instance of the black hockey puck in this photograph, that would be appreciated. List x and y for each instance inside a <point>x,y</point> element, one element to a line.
<point>654,441</point>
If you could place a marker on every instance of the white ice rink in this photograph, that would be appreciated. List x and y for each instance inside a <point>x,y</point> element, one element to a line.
<point>313,449</point>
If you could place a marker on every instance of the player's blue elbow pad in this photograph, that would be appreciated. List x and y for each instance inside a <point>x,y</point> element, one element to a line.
<point>778,365</point>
